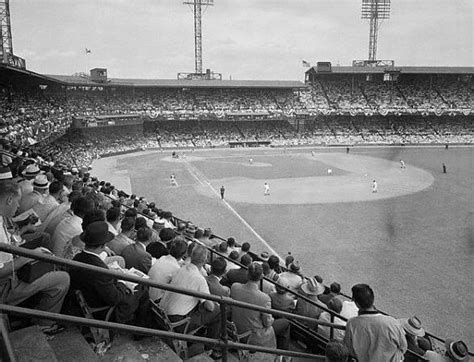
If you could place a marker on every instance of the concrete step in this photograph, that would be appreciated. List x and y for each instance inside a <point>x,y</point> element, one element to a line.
<point>30,344</point>
<point>70,346</point>
<point>124,349</point>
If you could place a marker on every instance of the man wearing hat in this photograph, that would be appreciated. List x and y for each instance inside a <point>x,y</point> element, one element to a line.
<point>102,290</point>
<point>293,276</point>
<point>414,335</point>
<point>40,191</point>
<point>49,201</point>
<point>29,174</point>
<point>310,289</point>
<point>50,288</point>
<point>455,351</point>
<point>5,173</point>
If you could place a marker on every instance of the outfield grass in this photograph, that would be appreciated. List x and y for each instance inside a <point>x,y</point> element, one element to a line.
<point>412,241</point>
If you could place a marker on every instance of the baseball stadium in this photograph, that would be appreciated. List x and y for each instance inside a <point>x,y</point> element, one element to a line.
<point>202,218</point>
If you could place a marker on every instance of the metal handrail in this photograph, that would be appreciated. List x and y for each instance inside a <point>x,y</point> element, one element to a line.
<point>148,282</point>
<point>148,331</point>
<point>303,297</point>
<point>333,314</point>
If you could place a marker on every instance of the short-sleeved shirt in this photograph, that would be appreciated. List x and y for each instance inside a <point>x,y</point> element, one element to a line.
<point>4,239</point>
<point>188,277</point>
<point>163,271</point>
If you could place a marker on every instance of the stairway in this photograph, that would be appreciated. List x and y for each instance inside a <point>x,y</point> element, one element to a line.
<point>30,344</point>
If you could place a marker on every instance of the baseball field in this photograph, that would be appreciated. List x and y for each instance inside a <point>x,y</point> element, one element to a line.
<point>412,240</point>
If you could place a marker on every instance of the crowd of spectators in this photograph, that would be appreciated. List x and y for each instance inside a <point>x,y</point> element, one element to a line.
<point>31,116</point>
<point>75,216</point>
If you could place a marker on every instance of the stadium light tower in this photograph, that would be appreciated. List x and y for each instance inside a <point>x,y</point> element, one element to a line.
<point>197,11</point>
<point>375,10</point>
<point>6,44</point>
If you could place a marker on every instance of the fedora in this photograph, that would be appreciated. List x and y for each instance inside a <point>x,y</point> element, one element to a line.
<point>5,173</point>
<point>457,350</point>
<point>294,266</point>
<point>96,234</point>
<point>31,170</point>
<point>41,181</point>
<point>312,287</point>
<point>412,325</point>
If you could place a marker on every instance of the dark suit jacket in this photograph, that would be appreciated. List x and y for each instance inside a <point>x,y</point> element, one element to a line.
<point>102,290</point>
<point>216,288</point>
<point>137,257</point>
<point>235,276</point>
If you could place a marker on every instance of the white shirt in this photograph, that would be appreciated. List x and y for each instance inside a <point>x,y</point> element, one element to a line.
<point>55,217</point>
<point>44,206</point>
<point>163,271</point>
<point>4,239</point>
<point>112,229</point>
<point>65,231</point>
<point>188,277</point>
<point>338,334</point>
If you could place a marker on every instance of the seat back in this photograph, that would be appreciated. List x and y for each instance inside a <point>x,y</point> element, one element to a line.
<point>163,323</point>
<point>101,336</point>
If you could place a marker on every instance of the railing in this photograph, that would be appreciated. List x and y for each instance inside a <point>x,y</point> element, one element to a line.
<point>333,314</point>
<point>223,302</point>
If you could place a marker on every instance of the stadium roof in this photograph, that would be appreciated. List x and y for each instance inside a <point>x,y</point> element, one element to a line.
<point>175,83</point>
<point>402,69</point>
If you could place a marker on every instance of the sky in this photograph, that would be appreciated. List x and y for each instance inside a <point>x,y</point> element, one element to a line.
<point>242,39</point>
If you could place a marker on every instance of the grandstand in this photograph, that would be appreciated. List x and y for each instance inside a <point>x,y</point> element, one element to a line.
<point>63,131</point>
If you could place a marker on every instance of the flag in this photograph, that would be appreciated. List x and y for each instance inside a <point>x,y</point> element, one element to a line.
<point>306,64</point>
<point>88,51</point>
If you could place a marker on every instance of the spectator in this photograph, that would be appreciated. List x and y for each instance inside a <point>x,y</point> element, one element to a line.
<point>336,352</point>
<point>218,268</point>
<point>414,334</point>
<point>113,220</point>
<point>122,240</point>
<point>455,351</point>
<point>5,174</point>
<point>26,182</point>
<point>267,287</point>
<point>372,336</point>
<point>70,226</point>
<point>58,214</point>
<point>310,289</point>
<point>237,275</point>
<point>334,291</point>
<point>201,311</point>
<point>166,267</point>
<point>282,299</point>
<point>274,263</point>
<point>50,288</point>
<point>245,248</point>
<point>102,290</point>
<point>39,193</point>
<point>233,256</point>
<point>264,328</point>
<point>50,200</point>
<point>166,235</point>
<point>293,276</point>
<point>335,305</point>
<point>135,255</point>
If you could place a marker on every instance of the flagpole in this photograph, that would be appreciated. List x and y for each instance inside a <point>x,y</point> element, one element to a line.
<point>87,53</point>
